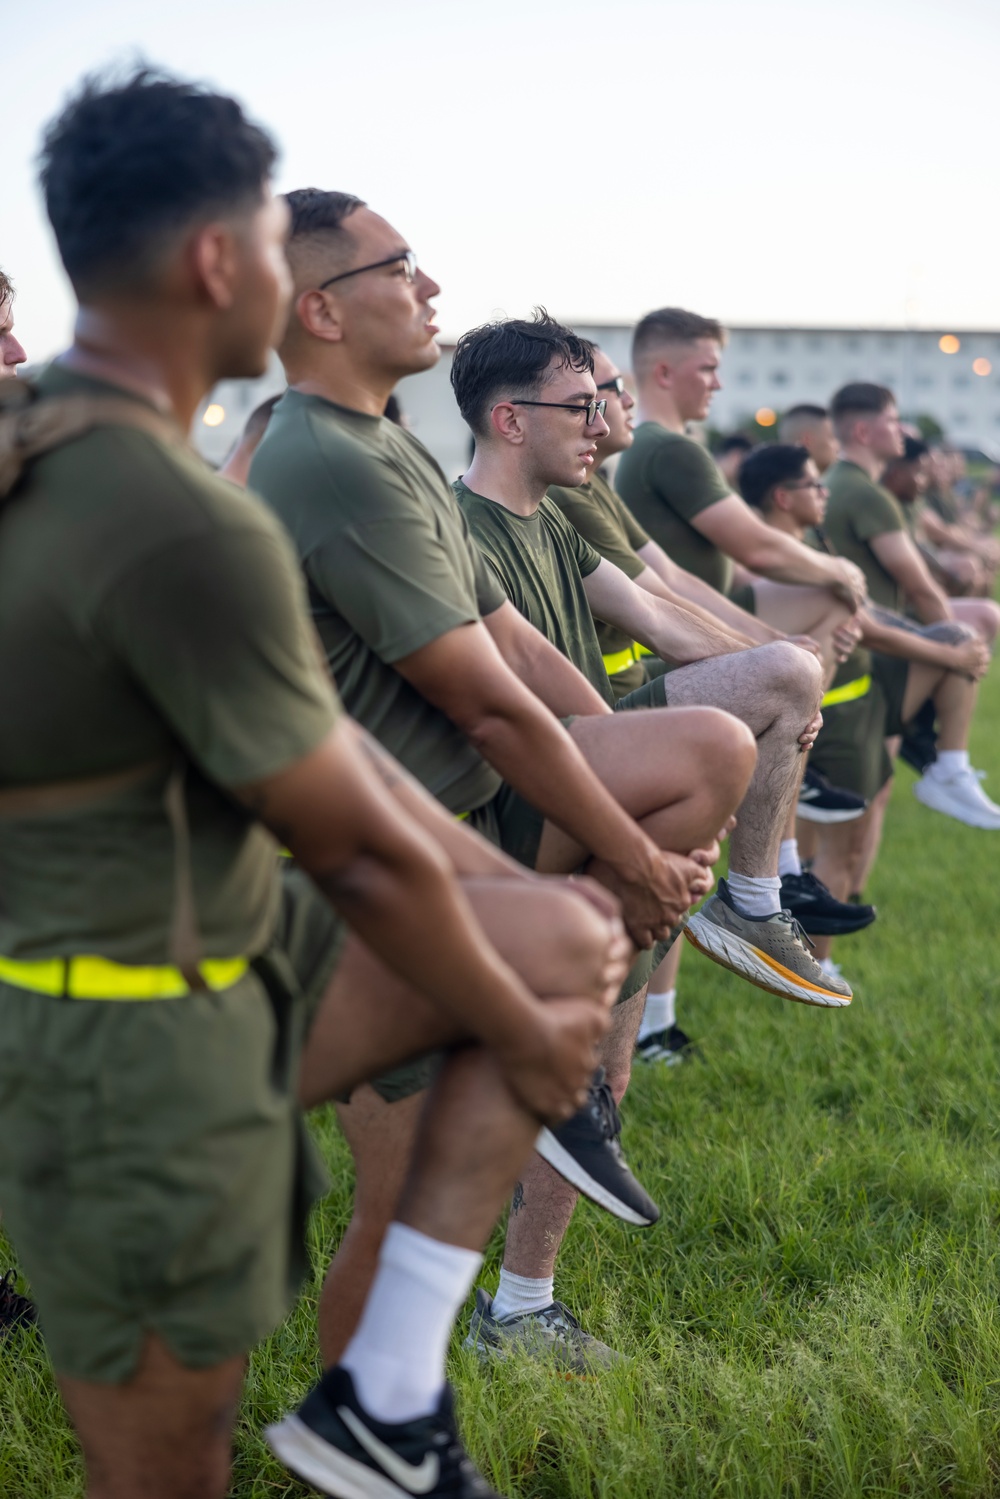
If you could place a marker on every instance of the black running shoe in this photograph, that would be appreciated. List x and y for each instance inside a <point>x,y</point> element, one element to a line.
<point>669,1047</point>
<point>586,1152</point>
<point>819,801</point>
<point>818,912</point>
<point>15,1310</point>
<point>332,1443</point>
<point>918,746</point>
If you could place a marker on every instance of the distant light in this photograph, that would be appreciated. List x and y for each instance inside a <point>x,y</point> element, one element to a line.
<point>949,344</point>
<point>981,367</point>
<point>214,416</point>
<point>765,417</point>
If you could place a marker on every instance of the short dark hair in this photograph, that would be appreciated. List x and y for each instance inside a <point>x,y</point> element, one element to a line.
<point>767,468</point>
<point>735,442</point>
<point>861,398</point>
<point>314,211</point>
<point>673,325</point>
<point>914,448</point>
<point>6,289</point>
<point>511,355</point>
<point>128,163</point>
<point>805,414</point>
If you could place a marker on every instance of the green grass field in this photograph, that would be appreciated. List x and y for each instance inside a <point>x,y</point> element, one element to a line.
<point>816,1312</point>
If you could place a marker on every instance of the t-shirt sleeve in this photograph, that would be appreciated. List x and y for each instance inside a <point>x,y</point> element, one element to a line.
<point>637,536</point>
<point>215,632</point>
<point>875,512</point>
<point>687,478</point>
<point>588,559</point>
<point>586,517</point>
<point>394,582</point>
<point>489,592</point>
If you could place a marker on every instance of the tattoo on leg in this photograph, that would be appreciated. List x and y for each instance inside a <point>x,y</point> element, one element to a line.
<point>517,1201</point>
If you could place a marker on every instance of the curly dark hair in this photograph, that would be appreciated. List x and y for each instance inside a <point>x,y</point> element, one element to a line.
<point>512,356</point>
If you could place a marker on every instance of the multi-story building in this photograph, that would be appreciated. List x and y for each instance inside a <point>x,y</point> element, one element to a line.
<point>951,375</point>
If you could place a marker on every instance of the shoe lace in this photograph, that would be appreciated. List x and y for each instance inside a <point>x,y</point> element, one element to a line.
<point>797,930</point>
<point>605,1109</point>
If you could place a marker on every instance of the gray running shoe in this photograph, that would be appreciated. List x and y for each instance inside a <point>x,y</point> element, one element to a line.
<point>552,1334</point>
<point>769,951</point>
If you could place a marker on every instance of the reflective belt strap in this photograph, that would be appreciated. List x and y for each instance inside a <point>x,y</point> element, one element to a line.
<point>642,650</point>
<point>461,816</point>
<point>618,660</point>
<point>100,978</point>
<point>848,693</point>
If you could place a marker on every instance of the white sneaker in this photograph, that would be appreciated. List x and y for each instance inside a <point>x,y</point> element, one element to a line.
<point>960,796</point>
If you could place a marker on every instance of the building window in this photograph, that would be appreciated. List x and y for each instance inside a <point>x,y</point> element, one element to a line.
<point>744,377</point>
<point>852,343</point>
<point>960,381</point>
<point>887,343</point>
<point>923,381</point>
<point>748,341</point>
<point>780,341</point>
<point>814,341</point>
<point>779,377</point>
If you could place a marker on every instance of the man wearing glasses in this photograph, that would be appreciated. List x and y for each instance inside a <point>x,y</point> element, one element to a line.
<point>880,687</point>
<point>431,658</point>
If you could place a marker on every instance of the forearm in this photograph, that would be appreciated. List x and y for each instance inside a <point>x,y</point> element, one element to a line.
<point>701,597</point>
<point>470,854</point>
<point>785,560</point>
<point>902,643</point>
<point>553,679</point>
<point>928,603</point>
<point>683,635</point>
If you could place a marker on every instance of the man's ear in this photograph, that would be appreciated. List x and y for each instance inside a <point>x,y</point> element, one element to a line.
<point>663,374</point>
<point>506,421</point>
<point>214,258</point>
<point>319,316</point>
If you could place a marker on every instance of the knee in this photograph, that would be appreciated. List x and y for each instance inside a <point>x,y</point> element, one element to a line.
<point>617,1077</point>
<point>727,752</point>
<point>990,616</point>
<point>580,934</point>
<point>795,676</point>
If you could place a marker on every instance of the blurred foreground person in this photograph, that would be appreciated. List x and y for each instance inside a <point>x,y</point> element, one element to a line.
<point>11,351</point>
<point>155,981</point>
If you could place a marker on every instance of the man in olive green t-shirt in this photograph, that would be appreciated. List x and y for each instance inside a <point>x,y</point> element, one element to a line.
<point>675,491</point>
<point>427,651</point>
<point>170,708</point>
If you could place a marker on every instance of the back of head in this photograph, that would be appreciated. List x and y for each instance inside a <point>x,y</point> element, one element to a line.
<point>129,167</point>
<point>667,327</point>
<point>861,398</point>
<point>799,420</point>
<point>767,468</point>
<point>735,442</point>
<point>511,357</point>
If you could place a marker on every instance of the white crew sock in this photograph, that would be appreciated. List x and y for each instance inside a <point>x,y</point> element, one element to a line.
<point>659,1015</point>
<point>788,858</point>
<point>396,1357</point>
<point>517,1294</point>
<point>755,894</point>
<point>948,763</point>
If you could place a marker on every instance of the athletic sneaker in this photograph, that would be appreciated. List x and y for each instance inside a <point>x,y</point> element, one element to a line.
<point>769,951</point>
<point>818,912</point>
<point>334,1444</point>
<point>960,796</point>
<point>820,801</point>
<point>918,746</point>
<point>586,1151</point>
<point>15,1310</point>
<point>552,1334</point>
<point>669,1046</point>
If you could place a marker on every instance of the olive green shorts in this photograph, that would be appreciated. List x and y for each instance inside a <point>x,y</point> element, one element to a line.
<point>312,937</point>
<point>850,750</point>
<point>744,597</point>
<point>155,1172</point>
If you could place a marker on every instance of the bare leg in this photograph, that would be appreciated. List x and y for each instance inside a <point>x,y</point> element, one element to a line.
<point>775,690</point>
<point>954,697</point>
<point>165,1434</point>
<point>542,1208</point>
<point>802,611</point>
<point>838,862</point>
<point>983,615</point>
<point>665,975</point>
<point>874,823</point>
<point>540,938</point>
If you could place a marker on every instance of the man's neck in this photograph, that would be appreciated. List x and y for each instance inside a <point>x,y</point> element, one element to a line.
<point>659,406</point>
<point>492,476</point>
<point>358,388</point>
<point>863,457</point>
<point>130,351</point>
<point>780,520</point>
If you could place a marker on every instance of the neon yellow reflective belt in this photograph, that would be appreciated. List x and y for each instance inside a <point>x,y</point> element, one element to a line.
<point>100,978</point>
<point>461,816</point>
<point>617,661</point>
<point>642,650</point>
<point>848,693</point>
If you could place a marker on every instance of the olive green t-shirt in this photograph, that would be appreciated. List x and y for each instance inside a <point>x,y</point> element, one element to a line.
<point>600,517</point>
<point>857,510</point>
<point>944,503</point>
<point>666,479</point>
<point>541,562</point>
<point>147,608</point>
<point>390,566</point>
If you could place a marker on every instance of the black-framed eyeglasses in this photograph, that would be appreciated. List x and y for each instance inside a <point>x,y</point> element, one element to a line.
<point>408,258</point>
<point>617,385</point>
<point>594,409</point>
<point>816,484</point>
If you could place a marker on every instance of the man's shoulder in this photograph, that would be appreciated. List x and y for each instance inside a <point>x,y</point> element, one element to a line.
<point>850,488</point>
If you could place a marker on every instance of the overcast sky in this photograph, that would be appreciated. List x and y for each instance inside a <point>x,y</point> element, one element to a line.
<point>782,161</point>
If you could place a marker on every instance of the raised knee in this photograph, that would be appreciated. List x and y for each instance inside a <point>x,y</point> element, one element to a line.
<point>729,750</point>
<point>795,675</point>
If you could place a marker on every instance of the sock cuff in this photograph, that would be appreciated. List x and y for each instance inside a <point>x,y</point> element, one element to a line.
<point>436,1264</point>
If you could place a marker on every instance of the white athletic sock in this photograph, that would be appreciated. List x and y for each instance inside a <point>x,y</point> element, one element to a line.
<point>659,1015</point>
<point>788,858</point>
<point>396,1357</point>
<point>755,894</point>
<point>948,763</point>
<point>517,1294</point>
